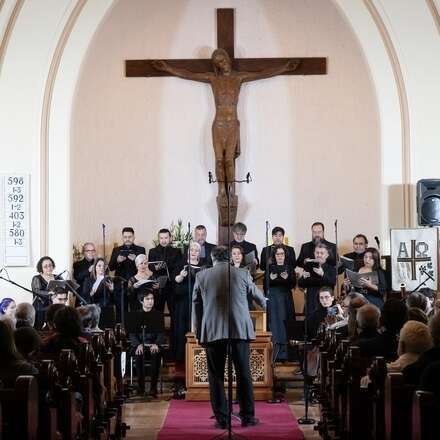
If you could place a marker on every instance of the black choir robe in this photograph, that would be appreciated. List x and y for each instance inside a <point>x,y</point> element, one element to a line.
<point>127,268</point>
<point>81,271</point>
<point>172,256</point>
<point>247,248</point>
<point>308,251</point>
<point>268,251</point>
<point>313,283</point>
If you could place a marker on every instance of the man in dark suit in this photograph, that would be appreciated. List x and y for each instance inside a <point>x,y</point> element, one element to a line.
<point>83,268</point>
<point>277,239</point>
<point>307,251</point>
<point>122,259</point>
<point>200,234</point>
<point>211,309</point>
<point>166,253</point>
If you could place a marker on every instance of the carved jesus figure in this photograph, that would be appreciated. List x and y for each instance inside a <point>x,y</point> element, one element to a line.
<point>225,84</point>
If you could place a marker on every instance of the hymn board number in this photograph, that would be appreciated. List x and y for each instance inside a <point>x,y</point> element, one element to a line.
<point>225,41</point>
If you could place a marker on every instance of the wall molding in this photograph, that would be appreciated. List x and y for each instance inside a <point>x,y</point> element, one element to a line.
<point>9,28</point>
<point>434,12</point>
<point>404,111</point>
<point>45,121</point>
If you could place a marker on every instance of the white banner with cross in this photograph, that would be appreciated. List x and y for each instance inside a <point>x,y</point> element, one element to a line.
<point>414,256</point>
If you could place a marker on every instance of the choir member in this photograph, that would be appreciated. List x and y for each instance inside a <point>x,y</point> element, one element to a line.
<point>148,344</point>
<point>141,282</point>
<point>374,283</point>
<point>277,240</point>
<point>200,234</point>
<point>316,274</point>
<point>280,307</point>
<point>122,259</point>
<point>239,232</point>
<point>184,276</point>
<point>45,267</point>
<point>237,256</point>
<point>360,243</point>
<point>98,287</point>
<point>83,268</point>
<point>166,253</point>
<point>308,249</point>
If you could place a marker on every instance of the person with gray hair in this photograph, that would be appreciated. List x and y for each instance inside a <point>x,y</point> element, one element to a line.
<point>220,314</point>
<point>25,315</point>
<point>415,339</point>
<point>367,319</point>
<point>414,371</point>
<point>90,315</point>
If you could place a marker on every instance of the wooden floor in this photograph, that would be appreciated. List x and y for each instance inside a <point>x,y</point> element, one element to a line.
<point>146,417</point>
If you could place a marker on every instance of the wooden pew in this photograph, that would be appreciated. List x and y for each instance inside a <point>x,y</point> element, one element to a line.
<point>20,409</point>
<point>398,407</point>
<point>425,423</point>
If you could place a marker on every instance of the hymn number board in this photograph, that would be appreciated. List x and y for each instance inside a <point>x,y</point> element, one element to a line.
<point>414,258</point>
<point>14,220</point>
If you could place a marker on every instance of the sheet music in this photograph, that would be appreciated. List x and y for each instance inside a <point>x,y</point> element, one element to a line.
<point>355,277</point>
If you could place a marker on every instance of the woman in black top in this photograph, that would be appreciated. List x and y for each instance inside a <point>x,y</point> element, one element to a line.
<point>45,267</point>
<point>280,308</point>
<point>99,287</point>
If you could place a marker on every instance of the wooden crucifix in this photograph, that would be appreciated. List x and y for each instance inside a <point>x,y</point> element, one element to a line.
<point>226,74</point>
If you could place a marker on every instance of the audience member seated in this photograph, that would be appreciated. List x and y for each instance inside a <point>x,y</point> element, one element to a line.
<point>416,314</point>
<point>25,315</point>
<point>393,317</point>
<point>50,315</point>
<point>417,300</point>
<point>154,340</point>
<point>89,315</point>
<point>413,372</point>
<point>367,319</point>
<point>430,380</point>
<point>67,332</point>
<point>28,342</point>
<point>7,309</point>
<point>414,340</point>
<point>12,363</point>
<point>353,301</point>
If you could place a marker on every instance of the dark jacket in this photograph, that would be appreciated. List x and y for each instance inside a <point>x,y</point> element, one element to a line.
<point>127,268</point>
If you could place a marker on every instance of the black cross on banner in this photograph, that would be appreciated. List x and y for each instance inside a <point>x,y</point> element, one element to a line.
<point>413,260</point>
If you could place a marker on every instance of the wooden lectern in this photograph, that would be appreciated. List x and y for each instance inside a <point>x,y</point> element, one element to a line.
<point>260,359</point>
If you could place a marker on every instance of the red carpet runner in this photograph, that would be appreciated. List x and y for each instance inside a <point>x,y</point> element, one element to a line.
<point>191,420</point>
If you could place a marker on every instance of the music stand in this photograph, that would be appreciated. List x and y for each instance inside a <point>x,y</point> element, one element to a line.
<point>65,286</point>
<point>145,322</point>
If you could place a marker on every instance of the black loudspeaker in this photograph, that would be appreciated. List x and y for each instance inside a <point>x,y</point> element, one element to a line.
<point>428,202</point>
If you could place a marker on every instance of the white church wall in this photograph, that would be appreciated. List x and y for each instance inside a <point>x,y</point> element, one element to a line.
<point>148,141</point>
<point>28,51</point>
<point>23,74</point>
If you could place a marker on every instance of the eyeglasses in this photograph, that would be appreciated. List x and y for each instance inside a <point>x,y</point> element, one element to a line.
<point>89,250</point>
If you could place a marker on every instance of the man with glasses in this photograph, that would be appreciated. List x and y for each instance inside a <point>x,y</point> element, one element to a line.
<point>83,268</point>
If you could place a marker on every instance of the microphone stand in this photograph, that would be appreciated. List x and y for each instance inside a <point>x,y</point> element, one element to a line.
<point>105,263</point>
<point>123,281</point>
<point>306,420</point>
<point>39,295</point>
<point>189,277</point>
<point>229,343</point>
<point>337,258</point>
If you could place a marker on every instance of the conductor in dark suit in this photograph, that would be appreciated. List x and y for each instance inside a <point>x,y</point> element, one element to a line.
<point>210,321</point>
